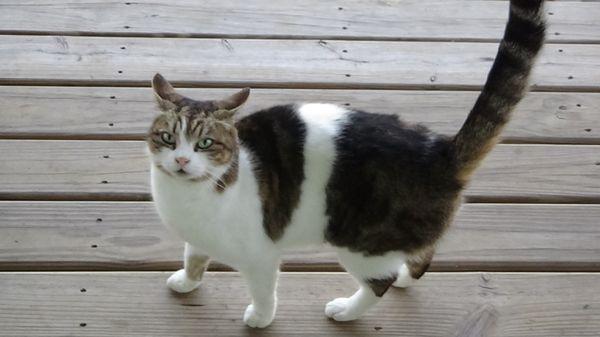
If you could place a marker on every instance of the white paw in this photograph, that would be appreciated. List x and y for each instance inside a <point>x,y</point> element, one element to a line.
<point>340,310</point>
<point>255,319</point>
<point>179,282</point>
<point>404,279</point>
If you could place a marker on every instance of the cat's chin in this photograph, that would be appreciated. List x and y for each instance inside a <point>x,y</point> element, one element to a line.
<point>183,175</point>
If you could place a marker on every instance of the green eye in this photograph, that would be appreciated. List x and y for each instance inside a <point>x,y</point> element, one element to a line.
<point>167,138</point>
<point>204,144</point>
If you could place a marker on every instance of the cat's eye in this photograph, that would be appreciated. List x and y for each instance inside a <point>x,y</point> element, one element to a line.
<point>167,138</point>
<point>204,144</point>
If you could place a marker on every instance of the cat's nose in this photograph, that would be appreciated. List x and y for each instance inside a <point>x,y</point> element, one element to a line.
<point>182,161</point>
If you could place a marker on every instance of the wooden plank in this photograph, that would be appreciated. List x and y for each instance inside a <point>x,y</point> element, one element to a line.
<point>85,112</point>
<point>280,63</point>
<point>118,170</point>
<point>75,169</point>
<point>541,173</point>
<point>395,19</point>
<point>447,304</point>
<point>130,236</point>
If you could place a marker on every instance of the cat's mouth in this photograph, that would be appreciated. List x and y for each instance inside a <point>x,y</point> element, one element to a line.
<point>186,175</point>
<point>181,173</point>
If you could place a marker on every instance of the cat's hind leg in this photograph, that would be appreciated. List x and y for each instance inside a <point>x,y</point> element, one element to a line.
<point>188,278</point>
<point>415,266</point>
<point>375,274</point>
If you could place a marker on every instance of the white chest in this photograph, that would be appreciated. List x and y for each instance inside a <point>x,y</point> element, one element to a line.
<point>226,226</point>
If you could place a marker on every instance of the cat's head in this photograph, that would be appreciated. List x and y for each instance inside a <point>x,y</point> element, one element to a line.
<point>194,140</point>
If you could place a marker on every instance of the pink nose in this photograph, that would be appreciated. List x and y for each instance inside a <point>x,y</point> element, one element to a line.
<point>182,161</point>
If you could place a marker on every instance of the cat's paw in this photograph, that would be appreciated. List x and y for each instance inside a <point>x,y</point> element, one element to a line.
<point>256,319</point>
<point>340,310</point>
<point>179,282</point>
<point>404,279</point>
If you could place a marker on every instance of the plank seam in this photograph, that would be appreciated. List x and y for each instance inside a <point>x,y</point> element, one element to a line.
<point>283,85</point>
<point>275,37</point>
<point>481,267</point>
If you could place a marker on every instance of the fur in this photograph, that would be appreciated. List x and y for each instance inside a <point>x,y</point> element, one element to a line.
<point>376,190</point>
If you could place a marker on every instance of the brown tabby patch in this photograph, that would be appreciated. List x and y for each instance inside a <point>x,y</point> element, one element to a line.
<point>380,286</point>
<point>228,177</point>
<point>392,187</point>
<point>419,263</point>
<point>195,266</point>
<point>506,84</point>
<point>164,122</point>
<point>275,138</point>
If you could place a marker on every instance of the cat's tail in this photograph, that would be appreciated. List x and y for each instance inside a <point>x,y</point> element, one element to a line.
<point>506,84</point>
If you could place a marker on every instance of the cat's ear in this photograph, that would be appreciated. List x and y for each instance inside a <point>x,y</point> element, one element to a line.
<point>229,105</point>
<point>165,95</point>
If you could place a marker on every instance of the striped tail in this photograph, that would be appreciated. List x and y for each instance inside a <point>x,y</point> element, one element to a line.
<point>506,84</point>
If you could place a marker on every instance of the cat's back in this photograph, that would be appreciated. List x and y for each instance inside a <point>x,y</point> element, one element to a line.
<point>289,124</point>
<point>390,180</point>
<point>290,127</point>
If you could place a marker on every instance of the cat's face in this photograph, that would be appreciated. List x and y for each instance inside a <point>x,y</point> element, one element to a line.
<point>192,146</point>
<point>193,140</point>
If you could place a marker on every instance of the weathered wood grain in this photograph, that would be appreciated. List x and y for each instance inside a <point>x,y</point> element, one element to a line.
<point>118,170</point>
<point>86,112</point>
<point>541,173</point>
<point>80,169</point>
<point>355,19</point>
<point>447,304</point>
<point>130,236</point>
<point>280,63</point>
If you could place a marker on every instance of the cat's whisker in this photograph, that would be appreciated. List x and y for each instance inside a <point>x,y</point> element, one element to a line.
<point>220,183</point>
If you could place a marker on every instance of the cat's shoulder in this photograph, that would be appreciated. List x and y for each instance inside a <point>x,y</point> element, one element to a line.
<point>265,117</point>
<point>293,114</point>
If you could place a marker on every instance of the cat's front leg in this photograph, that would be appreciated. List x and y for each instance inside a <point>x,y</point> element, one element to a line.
<point>262,281</point>
<point>188,278</point>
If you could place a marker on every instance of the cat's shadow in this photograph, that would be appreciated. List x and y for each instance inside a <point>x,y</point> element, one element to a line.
<point>367,326</point>
<point>287,325</point>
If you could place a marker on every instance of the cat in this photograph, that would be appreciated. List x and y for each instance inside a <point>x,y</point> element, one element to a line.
<point>376,190</point>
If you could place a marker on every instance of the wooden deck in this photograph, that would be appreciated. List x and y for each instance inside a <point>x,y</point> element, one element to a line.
<point>82,252</point>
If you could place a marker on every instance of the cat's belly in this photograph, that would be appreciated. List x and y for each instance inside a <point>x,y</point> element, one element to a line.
<point>222,226</point>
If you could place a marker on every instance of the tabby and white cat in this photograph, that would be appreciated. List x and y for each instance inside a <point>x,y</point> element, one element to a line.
<point>380,192</point>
